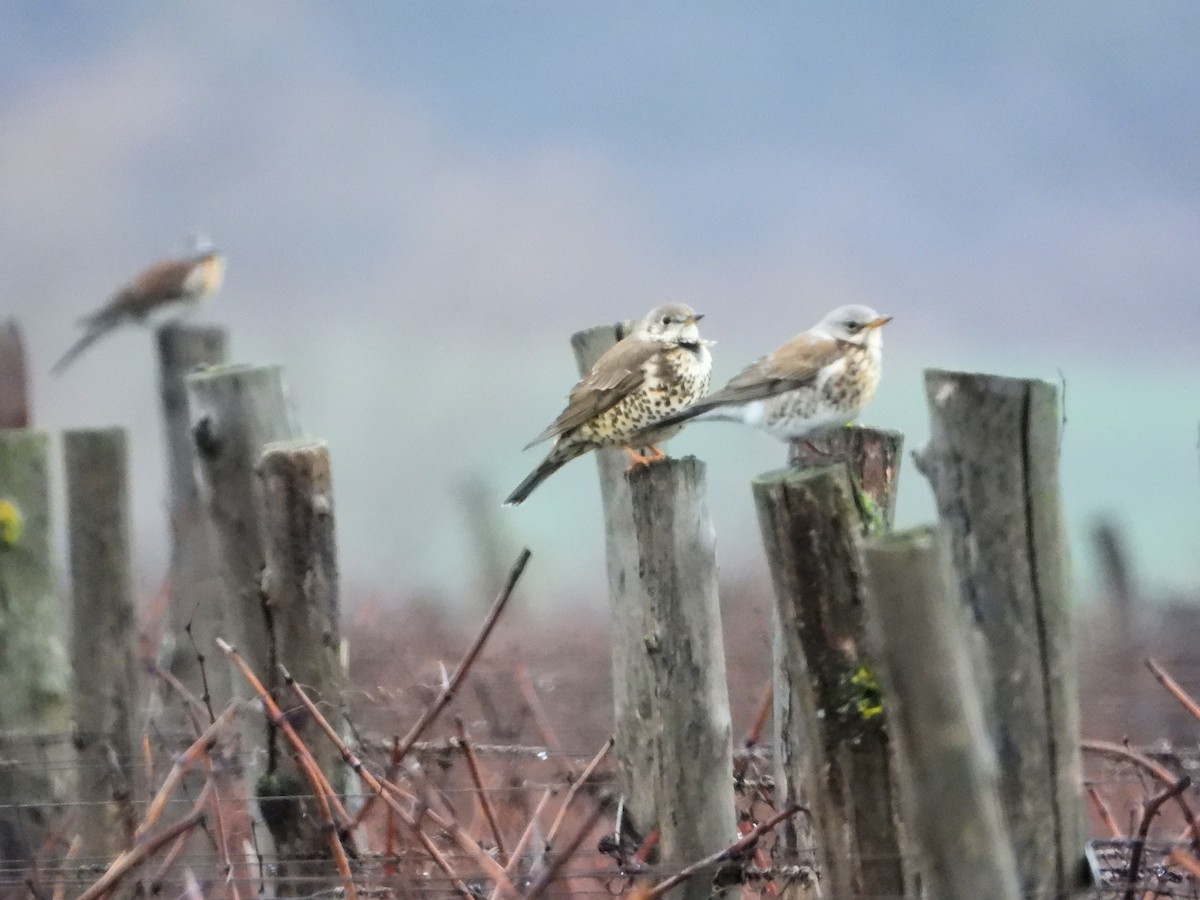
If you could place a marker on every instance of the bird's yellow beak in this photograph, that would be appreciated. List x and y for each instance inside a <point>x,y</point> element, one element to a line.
<point>880,322</point>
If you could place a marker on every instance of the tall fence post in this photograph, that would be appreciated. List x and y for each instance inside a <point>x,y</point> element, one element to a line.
<point>992,460</point>
<point>673,733</point>
<point>834,753</point>
<point>102,642</point>
<point>34,711</point>
<point>235,412</point>
<point>951,798</point>
<point>195,593</point>
<point>301,587</point>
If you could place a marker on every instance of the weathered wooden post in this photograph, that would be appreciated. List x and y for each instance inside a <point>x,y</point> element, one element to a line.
<point>992,460</point>
<point>103,690</point>
<point>834,753</point>
<point>951,800</point>
<point>34,710</point>
<point>14,391</point>
<point>673,733</point>
<point>301,592</point>
<point>235,411</point>
<point>195,598</point>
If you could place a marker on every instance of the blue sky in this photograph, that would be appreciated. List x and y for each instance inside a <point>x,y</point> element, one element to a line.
<point>421,201</point>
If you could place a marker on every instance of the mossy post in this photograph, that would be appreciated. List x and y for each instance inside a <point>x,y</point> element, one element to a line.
<point>103,692</point>
<point>235,411</point>
<point>834,753</point>
<point>673,735</point>
<point>195,598</point>
<point>992,460</point>
<point>34,707</point>
<point>301,586</point>
<point>951,791</point>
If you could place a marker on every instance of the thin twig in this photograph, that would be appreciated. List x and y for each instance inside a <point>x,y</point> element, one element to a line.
<point>447,694</point>
<point>1139,844</point>
<point>485,803</point>
<point>1143,763</point>
<point>384,789</point>
<point>1182,858</point>
<point>560,859</point>
<point>1104,812</point>
<point>1174,689</point>
<point>322,791</point>
<point>389,845</point>
<point>514,861</point>
<point>738,847</point>
<point>754,735</point>
<point>574,789</point>
<point>147,846</point>
<point>72,852</point>
<point>534,702</point>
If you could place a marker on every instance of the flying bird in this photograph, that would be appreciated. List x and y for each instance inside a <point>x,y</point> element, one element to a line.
<point>164,290</point>
<point>818,380</point>
<point>662,366</point>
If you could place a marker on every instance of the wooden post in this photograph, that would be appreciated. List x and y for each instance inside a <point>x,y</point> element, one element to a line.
<point>14,388</point>
<point>301,585</point>
<point>951,799</point>
<point>834,754</point>
<point>673,734</point>
<point>195,597</point>
<point>34,712</point>
<point>102,641</point>
<point>992,460</point>
<point>235,411</point>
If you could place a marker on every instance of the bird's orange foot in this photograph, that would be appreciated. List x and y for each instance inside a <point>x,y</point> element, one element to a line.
<point>636,459</point>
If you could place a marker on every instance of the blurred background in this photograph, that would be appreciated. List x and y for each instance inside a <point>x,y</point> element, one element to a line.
<point>420,202</point>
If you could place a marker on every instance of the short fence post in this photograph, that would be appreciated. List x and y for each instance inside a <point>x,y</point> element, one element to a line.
<point>301,587</point>
<point>834,753</point>
<point>104,692</point>
<point>673,733</point>
<point>14,389</point>
<point>873,458</point>
<point>195,592</point>
<point>992,460</point>
<point>235,412</point>
<point>34,708</point>
<point>952,806</point>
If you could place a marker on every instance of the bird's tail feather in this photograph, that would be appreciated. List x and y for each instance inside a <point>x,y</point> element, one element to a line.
<point>95,331</point>
<point>554,461</point>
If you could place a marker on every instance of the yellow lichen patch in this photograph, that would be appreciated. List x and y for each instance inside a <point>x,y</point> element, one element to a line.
<point>11,523</point>
<point>869,702</point>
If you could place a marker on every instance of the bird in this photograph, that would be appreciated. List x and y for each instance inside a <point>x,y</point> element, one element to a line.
<point>819,380</point>
<point>662,366</point>
<point>166,289</point>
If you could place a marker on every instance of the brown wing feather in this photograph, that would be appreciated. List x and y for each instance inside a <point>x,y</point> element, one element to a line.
<point>788,367</point>
<point>616,374</point>
<point>161,282</point>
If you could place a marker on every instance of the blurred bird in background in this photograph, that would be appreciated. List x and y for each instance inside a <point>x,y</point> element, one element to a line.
<point>818,380</point>
<point>660,367</point>
<point>166,290</point>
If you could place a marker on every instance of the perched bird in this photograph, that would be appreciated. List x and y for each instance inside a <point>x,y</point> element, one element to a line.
<point>660,367</point>
<point>818,380</point>
<point>166,289</point>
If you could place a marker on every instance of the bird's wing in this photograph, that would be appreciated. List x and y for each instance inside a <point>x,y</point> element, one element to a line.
<point>160,283</point>
<point>616,374</point>
<point>790,366</point>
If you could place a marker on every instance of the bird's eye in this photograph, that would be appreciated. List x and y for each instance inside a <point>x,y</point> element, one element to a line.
<point>666,320</point>
<point>854,327</point>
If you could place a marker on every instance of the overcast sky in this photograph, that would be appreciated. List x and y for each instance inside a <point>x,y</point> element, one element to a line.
<point>421,201</point>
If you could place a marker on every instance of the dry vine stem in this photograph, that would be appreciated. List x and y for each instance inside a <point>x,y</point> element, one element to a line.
<point>1139,844</point>
<point>735,849</point>
<point>322,790</point>
<point>486,804</point>
<point>381,790</point>
<point>574,789</point>
<point>1174,689</point>
<point>137,854</point>
<point>560,859</point>
<point>514,861</point>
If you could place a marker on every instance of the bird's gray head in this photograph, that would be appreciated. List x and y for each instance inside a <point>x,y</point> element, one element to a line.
<point>855,325</point>
<point>674,323</point>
